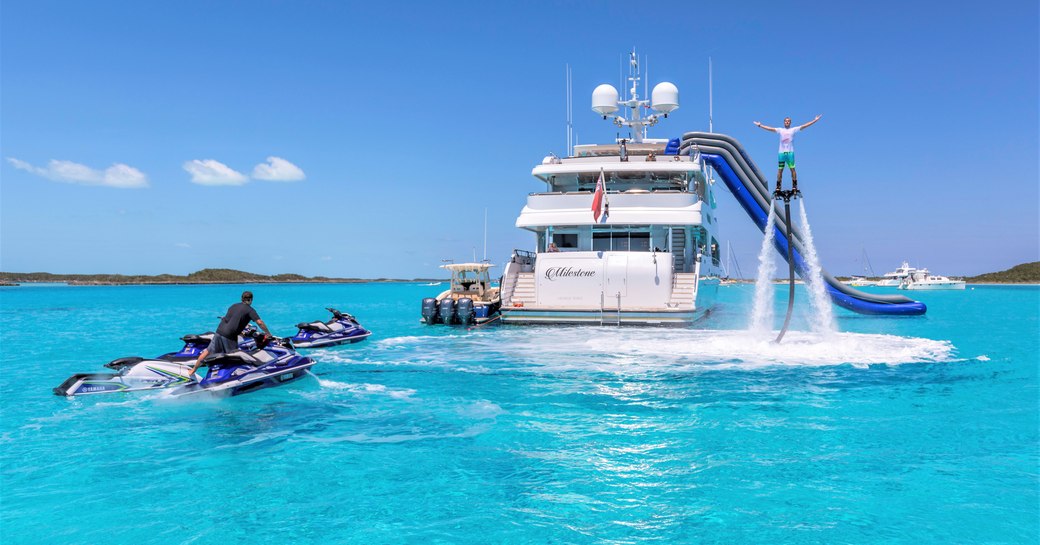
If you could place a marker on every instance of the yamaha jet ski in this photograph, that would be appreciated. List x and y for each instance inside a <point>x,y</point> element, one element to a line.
<point>272,363</point>
<point>193,346</point>
<point>136,373</point>
<point>342,328</point>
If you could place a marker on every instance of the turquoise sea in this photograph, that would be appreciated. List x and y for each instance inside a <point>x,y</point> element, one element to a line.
<point>895,430</point>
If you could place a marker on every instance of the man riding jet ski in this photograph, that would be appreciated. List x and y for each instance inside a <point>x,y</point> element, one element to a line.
<point>342,328</point>
<point>171,369</point>
<point>194,344</point>
<point>272,363</point>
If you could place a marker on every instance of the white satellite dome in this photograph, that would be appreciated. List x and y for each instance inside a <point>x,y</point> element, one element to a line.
<point>605,99</point>
<point>665,97</point>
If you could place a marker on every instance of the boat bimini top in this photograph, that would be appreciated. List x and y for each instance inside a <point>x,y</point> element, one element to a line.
<point>470,280</point>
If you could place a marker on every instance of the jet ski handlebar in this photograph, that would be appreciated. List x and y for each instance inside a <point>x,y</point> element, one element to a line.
<point>339,315</point>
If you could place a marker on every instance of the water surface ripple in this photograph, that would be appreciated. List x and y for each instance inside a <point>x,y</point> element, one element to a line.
<point>894,430</point>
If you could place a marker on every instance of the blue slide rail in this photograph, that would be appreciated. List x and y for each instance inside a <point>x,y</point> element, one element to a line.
<point>743,179</point>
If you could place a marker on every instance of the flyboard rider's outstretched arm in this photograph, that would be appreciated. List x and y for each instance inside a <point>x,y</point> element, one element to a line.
<point>818,116</point>
<point>773,129</point>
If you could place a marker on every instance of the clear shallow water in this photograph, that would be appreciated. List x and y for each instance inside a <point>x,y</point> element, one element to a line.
<point>895,430</point>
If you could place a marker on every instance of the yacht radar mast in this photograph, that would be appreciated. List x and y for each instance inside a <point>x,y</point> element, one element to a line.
<point>664,100</point>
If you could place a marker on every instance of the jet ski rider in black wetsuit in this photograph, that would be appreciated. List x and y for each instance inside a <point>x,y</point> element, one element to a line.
<point>231,325</point>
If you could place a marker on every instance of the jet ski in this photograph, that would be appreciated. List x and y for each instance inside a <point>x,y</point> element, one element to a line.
<point>142,374</point>
<point>342,328</point>
<point>135,373</point>
<point>193,346</point>
<point>273,362</point>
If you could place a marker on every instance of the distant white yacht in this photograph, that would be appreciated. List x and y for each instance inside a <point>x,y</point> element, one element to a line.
<point>895,278</point>
<point>625,232</point>
<point>922,280</point>
<point>859,281</point>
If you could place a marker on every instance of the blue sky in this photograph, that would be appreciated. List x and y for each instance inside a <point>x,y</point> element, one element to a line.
<point>339,139</point>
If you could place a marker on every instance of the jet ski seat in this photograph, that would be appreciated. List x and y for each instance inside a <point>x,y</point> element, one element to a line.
<point>237,357</point>
<point>263,356</point>
<point>199,338</point>
<point>314,326</point>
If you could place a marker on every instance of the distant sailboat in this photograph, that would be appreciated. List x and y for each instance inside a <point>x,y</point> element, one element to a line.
<point>868,271</point>
<point>731,266</point>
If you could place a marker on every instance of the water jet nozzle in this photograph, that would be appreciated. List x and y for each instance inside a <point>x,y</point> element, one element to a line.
<point>786,194</point>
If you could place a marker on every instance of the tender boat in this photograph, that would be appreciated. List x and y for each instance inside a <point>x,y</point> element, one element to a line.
<point>624,232</point>
<point>470,299</point>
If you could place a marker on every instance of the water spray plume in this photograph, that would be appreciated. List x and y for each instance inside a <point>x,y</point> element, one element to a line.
<point>762,311</point>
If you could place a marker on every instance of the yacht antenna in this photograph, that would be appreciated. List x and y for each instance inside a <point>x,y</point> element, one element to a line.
<point>646,82</point>
<point>710,129</point>
<point>606,102</point>
<point>570,114</point>
<point>621,71</point>
<point>485,234</point>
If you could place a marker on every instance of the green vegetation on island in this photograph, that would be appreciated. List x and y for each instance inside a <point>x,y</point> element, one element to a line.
<point>1026,273</point>
<point>205,276</point>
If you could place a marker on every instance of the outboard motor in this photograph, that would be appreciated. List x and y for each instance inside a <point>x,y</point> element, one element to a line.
<point>447,310</point>
<point>465,310</point>
<point>429,310</point>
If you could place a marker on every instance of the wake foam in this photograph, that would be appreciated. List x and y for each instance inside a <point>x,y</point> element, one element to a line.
<point>642,349</point>
<point>366,389</point>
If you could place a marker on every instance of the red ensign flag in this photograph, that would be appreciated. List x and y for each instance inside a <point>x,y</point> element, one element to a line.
<point>599,200</point>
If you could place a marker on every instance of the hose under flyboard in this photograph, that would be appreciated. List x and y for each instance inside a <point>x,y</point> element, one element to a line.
<point>786,196</point>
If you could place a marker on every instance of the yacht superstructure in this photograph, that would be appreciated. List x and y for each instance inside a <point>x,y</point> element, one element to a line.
<point>895,278</point>
<point>624,232</point>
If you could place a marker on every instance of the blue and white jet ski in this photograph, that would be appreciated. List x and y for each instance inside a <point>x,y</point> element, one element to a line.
<point>135,373</point>
<point>193,346</point>
<point>272,363</point>
<point>342,328</point>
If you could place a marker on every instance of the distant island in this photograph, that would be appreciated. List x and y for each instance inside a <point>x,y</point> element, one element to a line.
<point>1026,273</point>
<point>205,276</point>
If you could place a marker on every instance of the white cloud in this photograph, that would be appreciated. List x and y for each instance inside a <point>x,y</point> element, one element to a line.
<point>117,175</point>
<point>211,172</point>
<point>277,169</point>
<point>182,245</point>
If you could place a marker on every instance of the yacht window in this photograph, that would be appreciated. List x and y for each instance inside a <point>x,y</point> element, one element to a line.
<point>566,240</point>
<point>621,242</point>
<point>639,242</point>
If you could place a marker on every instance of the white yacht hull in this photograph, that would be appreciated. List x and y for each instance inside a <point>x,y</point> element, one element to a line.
<point>952,285</point>
<point>597,317</point>
<point>533,313</point>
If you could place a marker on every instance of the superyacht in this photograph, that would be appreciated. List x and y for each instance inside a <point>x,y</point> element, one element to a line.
<point>624,232</point>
